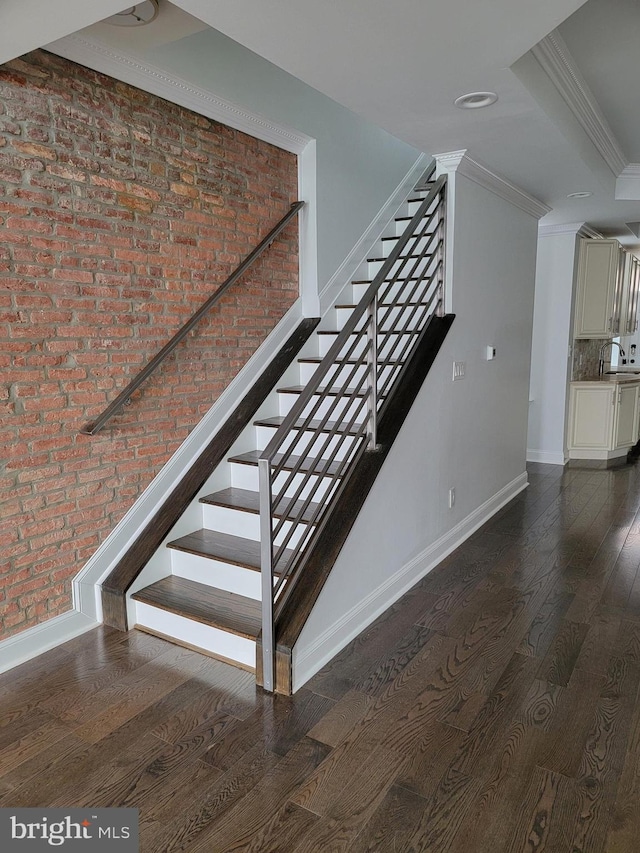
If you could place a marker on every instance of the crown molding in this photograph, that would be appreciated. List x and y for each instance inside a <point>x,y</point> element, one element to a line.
<point>460,163</point>
<point>578,229</point>
<point>149,78</point>
<point>556,61</point>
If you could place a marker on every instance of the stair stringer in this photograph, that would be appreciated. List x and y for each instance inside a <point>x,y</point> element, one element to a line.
<point>323,553</point>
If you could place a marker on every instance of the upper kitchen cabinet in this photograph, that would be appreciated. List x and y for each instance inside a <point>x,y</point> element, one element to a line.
<point>600,281</point>
<point>631,292</point>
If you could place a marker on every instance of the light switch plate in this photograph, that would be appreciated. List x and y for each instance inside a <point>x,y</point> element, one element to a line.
<point>458,370</point>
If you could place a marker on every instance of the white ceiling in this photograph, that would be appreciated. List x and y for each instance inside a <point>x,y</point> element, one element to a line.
<point>402,64</point>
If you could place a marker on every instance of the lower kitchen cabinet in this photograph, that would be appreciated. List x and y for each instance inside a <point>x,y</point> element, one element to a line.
<point>603,419</point>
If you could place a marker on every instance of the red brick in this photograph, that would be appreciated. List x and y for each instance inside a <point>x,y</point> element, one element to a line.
<point>165,212</point>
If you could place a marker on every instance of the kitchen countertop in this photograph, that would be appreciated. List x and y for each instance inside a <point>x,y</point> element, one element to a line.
<point>610,378</point>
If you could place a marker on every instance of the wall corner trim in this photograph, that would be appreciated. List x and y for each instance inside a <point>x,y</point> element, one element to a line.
<point>41,638</point>
<point>129,69</point>
<point>460,163</point>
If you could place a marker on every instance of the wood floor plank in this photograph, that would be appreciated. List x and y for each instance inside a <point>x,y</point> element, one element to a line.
<point>495,708</point>
<point>543,808</point>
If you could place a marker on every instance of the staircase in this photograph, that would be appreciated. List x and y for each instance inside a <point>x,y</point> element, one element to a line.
<point>214,586</point>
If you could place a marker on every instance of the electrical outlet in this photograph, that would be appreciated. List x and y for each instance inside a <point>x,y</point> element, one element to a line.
<point>452,497</point>
<point>458,370</point>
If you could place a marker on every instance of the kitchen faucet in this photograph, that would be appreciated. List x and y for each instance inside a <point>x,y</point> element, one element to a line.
<point>602,349</point>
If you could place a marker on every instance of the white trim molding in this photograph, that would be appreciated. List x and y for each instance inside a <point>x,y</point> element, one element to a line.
<point>547,456</point>
<point>579,229</point>
<point>149,78</point>
<point>41,638</point>
<point>628,183</point>
<point>352,623</point>
<point>460,163</point>
<point>556,61</point>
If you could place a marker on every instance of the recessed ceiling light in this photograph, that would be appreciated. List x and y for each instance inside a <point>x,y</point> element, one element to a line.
<point>476,100</point>
<point>135,16</point>
<point>579,195</point>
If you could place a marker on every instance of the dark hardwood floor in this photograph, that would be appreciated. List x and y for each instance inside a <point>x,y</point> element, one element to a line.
<point>494,709</point>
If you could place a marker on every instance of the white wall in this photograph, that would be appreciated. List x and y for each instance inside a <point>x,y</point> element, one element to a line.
<point>470,435</point>
<point>552,337</point>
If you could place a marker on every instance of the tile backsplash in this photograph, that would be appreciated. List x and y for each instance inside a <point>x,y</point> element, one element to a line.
<point>586,354</point>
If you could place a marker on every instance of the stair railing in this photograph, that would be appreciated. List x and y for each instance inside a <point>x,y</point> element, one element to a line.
<point>124,398</point>
<point>335,417</point>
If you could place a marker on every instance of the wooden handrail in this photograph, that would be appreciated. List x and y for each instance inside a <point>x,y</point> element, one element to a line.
<point>113,408</point>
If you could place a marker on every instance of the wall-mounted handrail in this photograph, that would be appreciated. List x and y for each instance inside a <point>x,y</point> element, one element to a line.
<point>334,418</point>
<point>113,408</point>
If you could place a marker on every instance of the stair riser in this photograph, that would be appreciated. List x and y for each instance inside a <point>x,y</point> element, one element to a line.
<point>323,445</point>
<point>337,408</point>
<point>246,477</point>
<point>351,373</point>
<point>402,290</point>
<point>412,208</point>
<point>196,635</point>
<point>414,248</point>
<point>226,576</point>
<point>399,317</point>
<point>246,524</point>
<point>386,346</point>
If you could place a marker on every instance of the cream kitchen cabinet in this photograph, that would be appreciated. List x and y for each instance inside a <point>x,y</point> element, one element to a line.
<point>603,419</point>
<point>600,285</point>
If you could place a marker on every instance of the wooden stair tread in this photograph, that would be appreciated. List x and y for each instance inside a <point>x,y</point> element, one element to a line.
<point>330,426</point>
<point>308,464</point>
<point>206,604</point>
<point>318,359</point>
<point>359,332</point>
<point>222,546</point>
<point>381,260</point>
<point>246,500</point>
<point>331,391</point>
<point>386,304</point>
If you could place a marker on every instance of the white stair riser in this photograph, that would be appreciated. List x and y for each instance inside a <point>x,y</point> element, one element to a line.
<point>303,443</point>
<point>246,477</point>
<point>414,248</point>
<point>386,345</point>
<point>195,634</point>
<point>337,408</point>
<point>216,573</point>
<point>400,316</point>
<point>350,373</point>
<point>244,524</point>
<point>402,224</point>
<point>388,293</point>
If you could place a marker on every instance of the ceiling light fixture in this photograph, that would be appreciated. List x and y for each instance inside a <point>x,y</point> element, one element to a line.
<point>475,100</point>
<point>135,16</point>
<point>580,195</point>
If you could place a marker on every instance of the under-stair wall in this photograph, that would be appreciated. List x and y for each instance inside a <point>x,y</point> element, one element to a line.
<point>468,435</point>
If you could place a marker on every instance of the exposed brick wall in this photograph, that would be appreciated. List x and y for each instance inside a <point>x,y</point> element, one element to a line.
<point>119,214</point>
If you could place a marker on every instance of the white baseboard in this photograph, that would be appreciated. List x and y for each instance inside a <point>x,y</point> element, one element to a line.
<point>34,641</point>
<point>555,457</point>
<point>362,249</point>
<point>307,662</point>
